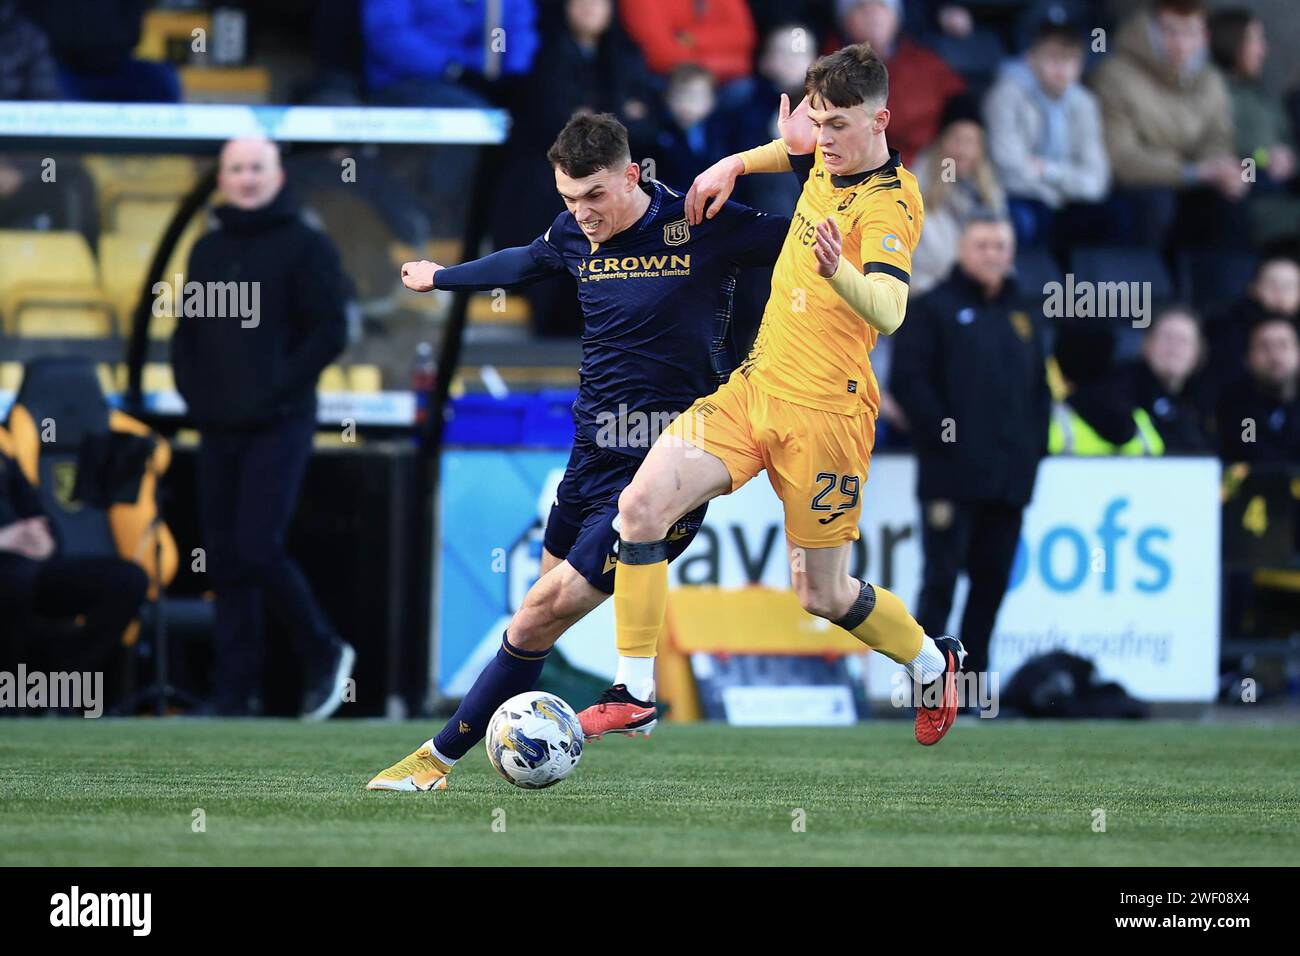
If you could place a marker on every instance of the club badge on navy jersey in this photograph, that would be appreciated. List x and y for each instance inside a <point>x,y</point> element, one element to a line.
<point>677,233</point>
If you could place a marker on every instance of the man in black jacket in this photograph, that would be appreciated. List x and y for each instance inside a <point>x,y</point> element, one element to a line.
<point>1258,416</point>
<point>969,373</point>
<point>246,360</point>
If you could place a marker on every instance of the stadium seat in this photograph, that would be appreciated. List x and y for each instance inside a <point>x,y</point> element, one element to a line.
<point>144,218</point>
<point>67,391</point>
<point>123,260</point>
<point>11,376</point>
<point>1035,268</point>
<point>157,377</point>
<point>152,179</point>
<point>365,379</point>
<point>161,28</point>
<point>1112,264</point>
<point>1209,279</point>
<point>513,310</point>
<point>225,84</point>
<point>1122,264</point>
<point>332,379</point>
<point>49,286</point>
<point>112,378</point>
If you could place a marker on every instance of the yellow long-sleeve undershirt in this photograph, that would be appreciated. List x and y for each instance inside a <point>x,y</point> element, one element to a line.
<point>880,299</point>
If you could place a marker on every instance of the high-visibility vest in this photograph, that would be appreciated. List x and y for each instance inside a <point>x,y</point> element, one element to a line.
<point>1069,434</point>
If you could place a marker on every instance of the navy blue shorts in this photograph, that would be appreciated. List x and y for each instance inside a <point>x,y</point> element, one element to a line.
<point>580,528</point>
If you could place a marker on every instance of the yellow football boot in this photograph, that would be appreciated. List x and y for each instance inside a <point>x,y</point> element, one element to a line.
<point>421,771</point>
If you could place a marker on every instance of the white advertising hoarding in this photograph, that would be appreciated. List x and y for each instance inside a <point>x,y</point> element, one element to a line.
<point>1118,562</point>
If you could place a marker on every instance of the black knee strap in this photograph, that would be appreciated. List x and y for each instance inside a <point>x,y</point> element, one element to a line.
<point>642,552</point>
<point>858,611</point>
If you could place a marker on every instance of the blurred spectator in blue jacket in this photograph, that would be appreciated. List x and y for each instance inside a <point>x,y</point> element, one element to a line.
<point>462,54</point>
<point>692,136</point>
<point>93,40</point>
<point>27,71</point>
<point>429,52</point>
<point>1045,138</point>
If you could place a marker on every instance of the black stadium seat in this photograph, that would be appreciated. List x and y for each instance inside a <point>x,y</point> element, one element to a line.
<point>59,409</point>
<point>1035,268</point>
<point>1122,264</point>
<point>1210,279</point>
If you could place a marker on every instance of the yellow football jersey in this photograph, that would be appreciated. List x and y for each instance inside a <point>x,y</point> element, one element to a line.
<point>812,347</point>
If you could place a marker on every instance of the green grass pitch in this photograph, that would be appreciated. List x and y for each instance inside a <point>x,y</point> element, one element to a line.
<point>78,792</point>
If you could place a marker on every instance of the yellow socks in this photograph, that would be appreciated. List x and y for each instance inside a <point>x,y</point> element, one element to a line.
<point>640,596</point>
<point>881,621</point>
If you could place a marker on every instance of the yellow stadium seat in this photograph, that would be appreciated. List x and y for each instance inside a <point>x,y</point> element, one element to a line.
<point>445,252</point>
<point>118,179</point>
<point>123,261</point>
<point>491,308</point>
<point>64,322</point>
<point>111,377</point>
<point>146,218</point>
<point>225,84</point>
<point>366,379</point>
<point>158,27</point>
<point>332,379</point>
<point>49,286</point>
<point>157,377</point>
<point>11,376</point>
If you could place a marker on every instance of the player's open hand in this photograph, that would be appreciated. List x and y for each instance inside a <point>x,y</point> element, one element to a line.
<point>418,276</point>
<point>796,128</point>
<point>827,247</point>
<point>711,189</point>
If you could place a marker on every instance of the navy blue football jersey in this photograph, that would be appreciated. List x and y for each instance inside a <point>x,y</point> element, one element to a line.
<point>657,304</point>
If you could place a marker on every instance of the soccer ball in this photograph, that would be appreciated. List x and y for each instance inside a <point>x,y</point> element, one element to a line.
<point>534,740</point>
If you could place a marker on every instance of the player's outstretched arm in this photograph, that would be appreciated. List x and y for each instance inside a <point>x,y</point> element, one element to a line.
<point>500,270</point>
<point>714,186</point>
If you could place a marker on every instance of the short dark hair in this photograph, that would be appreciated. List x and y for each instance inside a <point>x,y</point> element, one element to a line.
<point>984,216</point>
<point>688,73</point>
<point>847,77</point>
<point>1268,320</point>
<point>1270,259</point>
<point>589,142</point>
<point>1182,8</point>
<point>1064,33</point>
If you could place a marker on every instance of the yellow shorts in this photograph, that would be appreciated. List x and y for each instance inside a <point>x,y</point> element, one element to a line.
<point>816,460</point>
